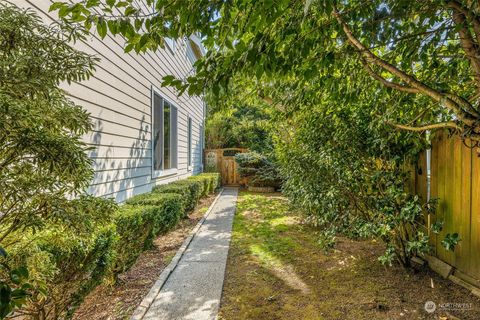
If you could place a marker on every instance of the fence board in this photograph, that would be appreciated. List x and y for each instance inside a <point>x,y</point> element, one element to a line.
<point>474,266</point>
<point>462,210</point>
<point>455,181</point>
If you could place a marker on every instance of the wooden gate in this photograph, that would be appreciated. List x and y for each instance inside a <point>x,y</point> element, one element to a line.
<point>223,161</point>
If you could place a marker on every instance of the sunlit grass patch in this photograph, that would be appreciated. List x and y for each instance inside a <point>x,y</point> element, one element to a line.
<point>278,271</point>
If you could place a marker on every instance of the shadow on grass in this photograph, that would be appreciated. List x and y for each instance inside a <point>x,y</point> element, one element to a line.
<point>277,270</point>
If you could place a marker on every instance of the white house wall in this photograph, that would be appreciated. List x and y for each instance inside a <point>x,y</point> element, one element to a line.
<point>118,99</point>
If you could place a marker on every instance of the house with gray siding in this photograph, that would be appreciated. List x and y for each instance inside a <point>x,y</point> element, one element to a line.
<point>144,134</point>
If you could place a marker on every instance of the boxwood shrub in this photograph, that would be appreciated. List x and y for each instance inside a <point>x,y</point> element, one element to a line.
<point>169,208</point>
<point>216,179</point>
<point>206,184</point>
<point>69,265</point>
<point>64,266</point>
<point>188,201</point>
<point>189,190</point>
<point>210,181</point>
<point>195,187</point>
<point>135,228</point>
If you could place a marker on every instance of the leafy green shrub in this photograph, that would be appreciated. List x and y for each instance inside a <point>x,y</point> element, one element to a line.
<point>170,208</point>
<point>64,265</point>
<point>135,226</point>
<point>44,169</point>
<point>191,189</point>
<point>81,265</point>
<point>258,169</point>
<point>195,187</point>
<point>184,191</point>
<point>211,181</point>
<point>351,179</point>
<point>216,179</point>
<point>207,182</point>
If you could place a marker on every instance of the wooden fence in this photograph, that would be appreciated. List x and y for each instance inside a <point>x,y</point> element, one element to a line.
<point>223,161</point>
<point>455,182</point>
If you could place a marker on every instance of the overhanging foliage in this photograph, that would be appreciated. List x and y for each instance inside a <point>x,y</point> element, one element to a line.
<point>426,51</point>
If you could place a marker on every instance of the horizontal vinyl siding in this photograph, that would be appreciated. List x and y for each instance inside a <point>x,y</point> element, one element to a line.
<point>118,100</point>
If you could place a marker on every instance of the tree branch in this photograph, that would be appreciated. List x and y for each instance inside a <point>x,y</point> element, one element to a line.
<point>466,40</point>
<point>270,101</point>
<point>440,125</point>
<point>453,4</point>
<point>467,117</point>
<point>384,81</point>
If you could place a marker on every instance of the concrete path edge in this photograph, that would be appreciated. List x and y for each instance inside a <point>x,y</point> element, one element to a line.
<point>142,309</point>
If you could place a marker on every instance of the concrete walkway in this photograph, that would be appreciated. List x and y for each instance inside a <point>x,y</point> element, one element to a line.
<point>192,287</point>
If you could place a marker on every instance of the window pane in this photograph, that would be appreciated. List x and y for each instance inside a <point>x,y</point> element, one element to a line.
<point>173,137</point>
<point>189,144</point>
<point>166,135</point>
<point>157,132</point>
<point>202,141</point>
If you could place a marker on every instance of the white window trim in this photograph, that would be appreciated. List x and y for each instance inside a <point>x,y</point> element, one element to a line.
<point>201,129</point>
<point>167,172</point>
<point>190,121</point>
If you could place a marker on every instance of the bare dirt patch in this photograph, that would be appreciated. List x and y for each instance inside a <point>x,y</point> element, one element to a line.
<point>278,271</point>
<point>118,301</point>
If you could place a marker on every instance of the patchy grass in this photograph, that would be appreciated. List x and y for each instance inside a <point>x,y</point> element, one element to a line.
<point>277,270</point>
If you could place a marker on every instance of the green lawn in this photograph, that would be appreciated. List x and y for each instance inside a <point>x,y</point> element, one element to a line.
<point>277,270</point>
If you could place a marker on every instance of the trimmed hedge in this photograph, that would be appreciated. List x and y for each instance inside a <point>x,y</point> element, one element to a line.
<point>64,267</point>
<point>135,228</point>
<point>169,205</point>
<point>211,180</point>
<point>68,265</point>
<point>206,184</point>
<point>194,186</point>
<point>186,195</point>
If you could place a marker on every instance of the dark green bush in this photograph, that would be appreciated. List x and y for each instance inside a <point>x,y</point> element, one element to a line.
<point>136,232</point>
<point>215,178</point>
<point>43,159</point>
<point>83,267</point>
<point>207,187</point>
<point>64,266</point>
<point>67,264</point>
<point>211,181</point>
<point>188,200</point>
<point>170,208</point>
<point>260,170</point>
<point>195,188</point>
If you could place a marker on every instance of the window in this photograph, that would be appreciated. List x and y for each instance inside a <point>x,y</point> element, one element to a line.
<point>164,134</point>
<point>202,142</point>
<point>189,143</point>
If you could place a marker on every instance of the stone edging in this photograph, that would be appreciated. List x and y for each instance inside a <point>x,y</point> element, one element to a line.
<point>142,309</point>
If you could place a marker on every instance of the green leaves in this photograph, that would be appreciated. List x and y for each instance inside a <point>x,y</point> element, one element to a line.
<point>102,28</point>
<point>44,163</point>
<point>450,241</point>
<point>437,226</point>
<point>15,290</point>
<point>341,158</point>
